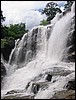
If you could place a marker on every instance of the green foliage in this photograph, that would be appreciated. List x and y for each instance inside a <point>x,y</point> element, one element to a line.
<point>9,34</point>
<point>68,5</point>
<point>7,42</point>
<point>3,43</point>
<point>15,31</point>
<point>44,22</point>
<point>50,10</point>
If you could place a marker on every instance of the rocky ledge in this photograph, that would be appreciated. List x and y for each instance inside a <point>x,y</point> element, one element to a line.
<point>64,94</point>
<point>69,93</point>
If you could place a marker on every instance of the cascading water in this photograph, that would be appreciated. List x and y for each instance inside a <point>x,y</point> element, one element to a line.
<point>40,52</point>
<point>58,37</point>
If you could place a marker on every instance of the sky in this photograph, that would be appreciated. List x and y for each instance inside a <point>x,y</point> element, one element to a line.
<point>25,11</point>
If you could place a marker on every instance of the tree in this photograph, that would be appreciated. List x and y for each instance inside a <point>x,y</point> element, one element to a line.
<point>16,30</point>
<point>50,10</point>
<point>2,28</point>
<point>44,22</point>
<point>2,18</point>
<point>68,5</point>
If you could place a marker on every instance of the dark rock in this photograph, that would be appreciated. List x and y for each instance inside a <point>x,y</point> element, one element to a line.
<point>71,58</point>
<point>65,12</point>
<point>71,43</point>
<point>11,92</point>
<point>6,50</point>
<point>27,85</point>
<point>64,94</point>
<point>71,85</point>
<point>17,94</point>
<point>34,41</point>
<point>35,88</point>
<point>54,81</point>
<point>49,77</point>
<point>3,71</point>
<point>71,49</point>
<point>18,97</point>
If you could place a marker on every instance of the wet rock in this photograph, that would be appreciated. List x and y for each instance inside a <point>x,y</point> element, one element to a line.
<point>71,85</point>
<point>70,57</point>
<point>35,88</point>
<point>7,48</point>
<point>64,94</point>
<point>27,85</point>
<point>49,77</point>
<point>11,92</point>
<point>34,41</point>
<point>18,97</point>
<point>65,12</point>
<point>17,94</point>
<point>40,85</point>
<point>6,52</point>
<point>3,71</point>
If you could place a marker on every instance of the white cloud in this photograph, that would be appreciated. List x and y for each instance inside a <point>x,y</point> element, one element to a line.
<point>33,18</point>
<point>22,11</point>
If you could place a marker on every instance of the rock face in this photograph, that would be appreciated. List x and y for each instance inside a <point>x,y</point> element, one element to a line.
<point>71,43</point>
<point>49,77</point>
<point>18,97</point>
<point>35,88</point>
<point>64,94</point>
<point>71,85</point>
<point>17,94</point>
<point>6,49</point>
<point>3,71</point>
<point>6,52</point>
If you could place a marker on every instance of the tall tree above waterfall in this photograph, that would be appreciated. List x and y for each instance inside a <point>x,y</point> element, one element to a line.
<point>68,5</point>
<point>50,10</point>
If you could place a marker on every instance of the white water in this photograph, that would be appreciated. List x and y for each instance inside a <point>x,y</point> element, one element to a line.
<point>58,37</point>
<point>50,48</point>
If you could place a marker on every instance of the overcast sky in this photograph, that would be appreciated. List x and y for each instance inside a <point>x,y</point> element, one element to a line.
<point>25,11</point>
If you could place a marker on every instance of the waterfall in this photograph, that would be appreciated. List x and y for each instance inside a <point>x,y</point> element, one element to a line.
<point>41,51</point>
<point>58,38</point>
